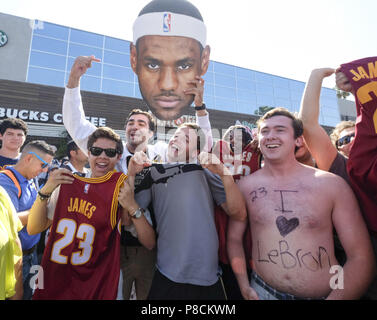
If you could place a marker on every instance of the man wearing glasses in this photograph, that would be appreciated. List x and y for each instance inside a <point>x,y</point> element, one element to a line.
<point>82,255</point>
<point>17,180</point>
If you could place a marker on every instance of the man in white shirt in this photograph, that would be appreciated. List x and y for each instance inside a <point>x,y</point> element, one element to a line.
<point>139,129</point>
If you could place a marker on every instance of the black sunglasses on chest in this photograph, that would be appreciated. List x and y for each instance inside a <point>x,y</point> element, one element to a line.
<point>96,151</point>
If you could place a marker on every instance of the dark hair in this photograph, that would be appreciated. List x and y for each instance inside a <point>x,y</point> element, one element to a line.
<point>108,133</point>
<point>201,137</point>
<point>13,123</point>
<point>39,145</point>
<point>71,146</point>
<point>152,122</point>
<point>176,6</point>
<point>298,127</point>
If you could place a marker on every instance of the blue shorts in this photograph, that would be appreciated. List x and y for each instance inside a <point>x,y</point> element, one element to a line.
<point>266,292</point>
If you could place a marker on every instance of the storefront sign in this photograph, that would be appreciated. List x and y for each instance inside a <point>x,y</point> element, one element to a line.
<point>3,38</point>
<point>38,116</point>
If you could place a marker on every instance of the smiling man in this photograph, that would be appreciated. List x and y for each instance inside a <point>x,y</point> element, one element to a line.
<point>84,244</point>
<point>12,134</point>
<point>169,55</point>
<point>292,210</point>
<point>182,193</point>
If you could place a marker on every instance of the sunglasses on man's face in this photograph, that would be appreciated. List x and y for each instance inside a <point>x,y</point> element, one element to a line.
<point>96,151</point>
<point>345,140</point>
<point>44,163</point>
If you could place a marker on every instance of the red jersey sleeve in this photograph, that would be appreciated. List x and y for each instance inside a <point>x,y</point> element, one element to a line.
<point>362,163</point>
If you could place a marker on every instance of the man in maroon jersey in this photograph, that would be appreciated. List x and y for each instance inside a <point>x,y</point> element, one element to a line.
<point>81,259</point>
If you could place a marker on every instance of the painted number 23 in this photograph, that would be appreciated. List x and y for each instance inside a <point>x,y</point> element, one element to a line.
<point>85,232</point>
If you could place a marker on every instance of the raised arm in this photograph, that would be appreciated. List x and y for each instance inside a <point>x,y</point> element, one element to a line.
<point>202,116</point>
<point>235,202</point>
<point>359,269</point>
<point>73,112</point>
<point>316,138</point>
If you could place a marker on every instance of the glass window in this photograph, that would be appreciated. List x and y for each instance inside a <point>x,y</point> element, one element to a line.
<point>209,101</point>
<point>119,88</point>
<point>117,44</point>
<point>264,89</point>
<point>137,91</point>
<point>209,89</point>
<point>263,100</point>
<point>49,45</point>
<point>295,105</point>
<point>119,59</point>
<point>225,104</point>
<point>296,95</point>
<point>76,50</point>
<point>281,82</point>
<point>224,92</point>
<point>90,83</point>
<point>95,70</point>
<point>47,60</point>
<point>329,101</point>
<point>330,121</point>
<point>282,93</point>
<point>46,76</point>
<point>329,111</point>
<point>245,95</point>
<point>296,85</point>
<point>88,38</point>
<point>245,73</point>
<point>285,103</point>
<point>247,107</point>
<point>208,77</point>
<point>328,92</point>
<point>51,30</point>
<point>246,85</point>
<point>226,81</point>
<point>263,77</point>
<point>223,68</point>
<point>118,73</point>
<point>210,66</point>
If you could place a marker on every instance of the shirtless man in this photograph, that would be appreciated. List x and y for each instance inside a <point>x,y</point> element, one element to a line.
<point>292,209</point>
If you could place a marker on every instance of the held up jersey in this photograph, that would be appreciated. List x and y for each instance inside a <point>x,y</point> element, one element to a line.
<point>362,162</point>
<point>82,256</point>
<point>243,165</point>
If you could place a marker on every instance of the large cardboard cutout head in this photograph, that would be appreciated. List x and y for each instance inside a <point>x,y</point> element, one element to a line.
<point>168,50</point>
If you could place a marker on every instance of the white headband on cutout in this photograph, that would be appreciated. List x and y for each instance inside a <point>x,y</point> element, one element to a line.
<point>169,24</point>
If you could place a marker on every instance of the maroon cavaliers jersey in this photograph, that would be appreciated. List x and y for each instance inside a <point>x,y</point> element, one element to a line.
<point>362,162</point>
<point>241,165</point>
<point>81,258</point>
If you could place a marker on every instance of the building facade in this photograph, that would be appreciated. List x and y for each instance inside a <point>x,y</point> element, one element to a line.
<point>41,54</point>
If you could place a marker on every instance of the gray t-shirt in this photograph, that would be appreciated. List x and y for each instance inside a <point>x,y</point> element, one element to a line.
<point>183,196</point>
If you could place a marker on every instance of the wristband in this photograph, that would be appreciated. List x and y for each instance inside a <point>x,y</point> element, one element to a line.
<point>202,107</point>
<point>43,196</point>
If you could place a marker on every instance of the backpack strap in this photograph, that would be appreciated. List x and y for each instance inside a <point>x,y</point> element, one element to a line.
<point>11,176</point>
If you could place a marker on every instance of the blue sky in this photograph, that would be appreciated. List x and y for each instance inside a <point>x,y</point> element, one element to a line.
<point>286,38</point>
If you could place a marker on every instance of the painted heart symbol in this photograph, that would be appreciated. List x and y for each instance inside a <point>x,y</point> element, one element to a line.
<point>286,226</point>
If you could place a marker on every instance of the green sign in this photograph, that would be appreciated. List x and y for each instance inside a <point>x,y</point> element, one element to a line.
<point>3,38</point>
